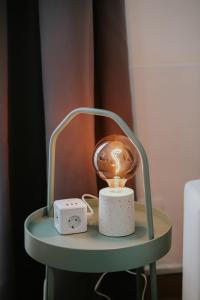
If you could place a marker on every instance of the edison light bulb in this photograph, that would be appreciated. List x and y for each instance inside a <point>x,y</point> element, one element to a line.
<point>116,160</point>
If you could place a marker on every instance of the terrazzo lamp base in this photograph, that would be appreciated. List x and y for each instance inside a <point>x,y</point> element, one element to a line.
<point>116,211</point>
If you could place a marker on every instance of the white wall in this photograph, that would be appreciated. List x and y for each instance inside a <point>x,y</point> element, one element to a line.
<point>164,55</point>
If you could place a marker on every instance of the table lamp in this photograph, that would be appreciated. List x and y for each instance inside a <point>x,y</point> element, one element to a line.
<point>116,160</point>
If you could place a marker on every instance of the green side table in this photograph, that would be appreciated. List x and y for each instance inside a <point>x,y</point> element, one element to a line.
<point>92,251</point>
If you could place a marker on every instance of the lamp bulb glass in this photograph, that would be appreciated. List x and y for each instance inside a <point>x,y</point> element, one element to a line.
<point>116,160</point>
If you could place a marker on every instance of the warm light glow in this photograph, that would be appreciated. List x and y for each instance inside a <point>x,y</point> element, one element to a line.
<point>115,160</point>
<point>115,154</point>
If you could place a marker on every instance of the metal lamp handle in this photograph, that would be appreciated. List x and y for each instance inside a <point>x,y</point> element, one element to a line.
<point>133,138</point>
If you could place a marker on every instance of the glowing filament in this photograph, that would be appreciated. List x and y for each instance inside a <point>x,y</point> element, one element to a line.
<point>116,160</point>
<point>115,153</point>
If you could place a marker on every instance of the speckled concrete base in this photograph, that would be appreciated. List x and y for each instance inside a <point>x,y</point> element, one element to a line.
<point>116,212</point>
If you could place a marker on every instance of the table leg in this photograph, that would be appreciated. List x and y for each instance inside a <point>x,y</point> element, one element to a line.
<point>153,280</point>
<point>45,290</point>
<point>48,289</point>
<point>139,283</point>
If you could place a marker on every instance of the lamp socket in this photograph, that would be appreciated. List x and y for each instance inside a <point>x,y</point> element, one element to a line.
<point>70,216</point>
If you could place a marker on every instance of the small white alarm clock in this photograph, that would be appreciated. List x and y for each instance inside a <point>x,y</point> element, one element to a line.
<point>70,216</point>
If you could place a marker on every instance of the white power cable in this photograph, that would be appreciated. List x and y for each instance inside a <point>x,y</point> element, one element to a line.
<point>97,285</point>
<point>145,282</point>
<point>91,211</point>
<point>130,272</point>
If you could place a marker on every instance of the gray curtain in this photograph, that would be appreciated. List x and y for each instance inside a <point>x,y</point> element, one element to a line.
<point>55,56</point>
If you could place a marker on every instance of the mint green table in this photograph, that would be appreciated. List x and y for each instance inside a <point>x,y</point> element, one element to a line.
<point>91,251</point>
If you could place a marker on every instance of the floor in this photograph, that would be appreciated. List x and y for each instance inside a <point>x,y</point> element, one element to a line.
<point>118,285</point>
<point>169,287</point>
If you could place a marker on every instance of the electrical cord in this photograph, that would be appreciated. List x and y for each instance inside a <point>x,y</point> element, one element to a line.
<point>89,196</point>
<point>145,282</point>
<point>98,284</point>
<point>130,272</point>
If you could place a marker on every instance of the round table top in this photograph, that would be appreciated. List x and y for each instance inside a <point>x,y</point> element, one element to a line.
<point>93,252</point>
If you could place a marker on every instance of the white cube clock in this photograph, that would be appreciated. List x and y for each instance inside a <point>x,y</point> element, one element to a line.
<point>70,216</point>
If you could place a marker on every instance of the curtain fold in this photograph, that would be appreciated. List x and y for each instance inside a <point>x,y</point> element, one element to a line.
<point>111,73</point>
<point>61,55</point>
<point>67,63</point>
<point>26,138</point>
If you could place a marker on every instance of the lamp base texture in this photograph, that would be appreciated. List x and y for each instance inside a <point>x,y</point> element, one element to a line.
<point>116,211</point>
